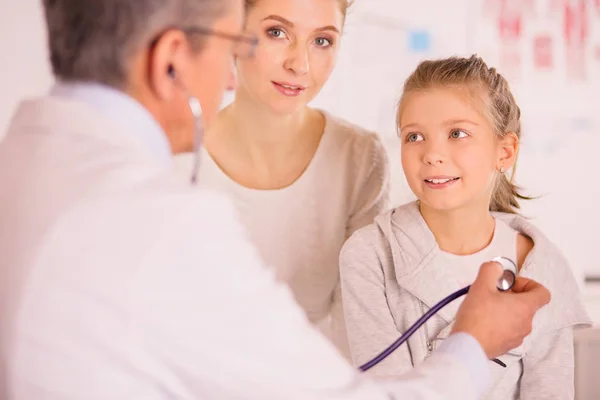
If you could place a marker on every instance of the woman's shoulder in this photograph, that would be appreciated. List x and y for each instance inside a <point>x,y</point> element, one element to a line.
<point>360,151</point>
<point>344,131</point>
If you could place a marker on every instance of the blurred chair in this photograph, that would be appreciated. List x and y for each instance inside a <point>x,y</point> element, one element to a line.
<point>587,364</point>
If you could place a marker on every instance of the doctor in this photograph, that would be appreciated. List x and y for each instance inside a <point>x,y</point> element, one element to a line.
<point>118,282</point>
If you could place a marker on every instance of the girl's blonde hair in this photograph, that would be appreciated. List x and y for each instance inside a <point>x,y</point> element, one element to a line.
<point>344,4</point>
<point>491,93</point>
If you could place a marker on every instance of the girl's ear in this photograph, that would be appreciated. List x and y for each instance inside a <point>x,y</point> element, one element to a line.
<point>507,151</point>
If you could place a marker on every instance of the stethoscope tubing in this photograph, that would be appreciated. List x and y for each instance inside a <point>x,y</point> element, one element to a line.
<point>505,284</point>
<point>390,349</point>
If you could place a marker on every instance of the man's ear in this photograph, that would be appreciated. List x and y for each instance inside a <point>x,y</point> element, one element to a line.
<point>166,60</point>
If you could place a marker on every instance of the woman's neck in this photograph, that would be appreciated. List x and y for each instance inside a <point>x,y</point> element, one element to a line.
<point>259,134</point>
<point>261,149</point>
<point>461,231</point>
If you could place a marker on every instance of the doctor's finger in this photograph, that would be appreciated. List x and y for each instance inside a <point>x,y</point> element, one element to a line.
<point>524,285</point>
<point>532,290</point>
<point>489,273</point>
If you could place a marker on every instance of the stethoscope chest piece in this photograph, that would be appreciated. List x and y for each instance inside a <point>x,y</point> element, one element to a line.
<point>509,276</point>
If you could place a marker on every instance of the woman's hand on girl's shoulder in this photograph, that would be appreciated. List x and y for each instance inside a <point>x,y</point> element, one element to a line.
<point>524,246</point>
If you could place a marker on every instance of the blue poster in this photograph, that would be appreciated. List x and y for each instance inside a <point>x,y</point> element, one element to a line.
<point>419,41</point>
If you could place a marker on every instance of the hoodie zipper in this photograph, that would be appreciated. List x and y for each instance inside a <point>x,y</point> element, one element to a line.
<point>429,342</point>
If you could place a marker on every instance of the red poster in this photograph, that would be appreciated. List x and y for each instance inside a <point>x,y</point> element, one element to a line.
<point>576,31</point>
<point>509,16</point>
<point>509,26</point>
<point>542,52</point>
<point>576,24</point>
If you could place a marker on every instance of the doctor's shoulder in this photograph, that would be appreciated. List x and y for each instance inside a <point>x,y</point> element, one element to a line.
<point>164,202</point>
<point>200,208</point>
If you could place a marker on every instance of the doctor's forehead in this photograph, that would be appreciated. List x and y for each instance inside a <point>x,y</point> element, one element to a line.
<point>304,14</point>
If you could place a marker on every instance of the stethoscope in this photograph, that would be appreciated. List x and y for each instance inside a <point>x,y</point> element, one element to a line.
<point>196,110</point>
<point>505,283</point>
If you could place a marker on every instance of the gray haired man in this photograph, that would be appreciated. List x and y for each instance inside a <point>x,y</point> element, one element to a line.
<point>119,281</point>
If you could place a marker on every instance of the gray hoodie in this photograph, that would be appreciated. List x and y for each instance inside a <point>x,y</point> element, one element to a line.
<point>392,272</point>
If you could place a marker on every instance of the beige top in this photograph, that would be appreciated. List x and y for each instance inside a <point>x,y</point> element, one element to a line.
<point>300,229</point>
<point>393,271</point>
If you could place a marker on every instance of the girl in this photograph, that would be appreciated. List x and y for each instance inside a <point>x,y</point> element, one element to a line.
<point>460,130</point>
<point>302,179</point>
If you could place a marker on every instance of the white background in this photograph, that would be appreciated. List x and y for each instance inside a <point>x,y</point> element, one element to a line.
<point>561,144</point>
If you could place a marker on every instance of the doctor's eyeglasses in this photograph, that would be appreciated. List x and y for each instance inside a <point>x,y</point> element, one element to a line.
<point>244,45</point>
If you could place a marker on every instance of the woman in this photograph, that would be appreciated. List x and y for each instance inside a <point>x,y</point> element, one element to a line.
<point>302,179</point>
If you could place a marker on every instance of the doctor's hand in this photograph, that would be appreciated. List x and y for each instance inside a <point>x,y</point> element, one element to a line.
<point>499,321</point>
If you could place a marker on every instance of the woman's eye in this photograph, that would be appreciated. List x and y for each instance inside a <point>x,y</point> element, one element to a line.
<point>323,42</point>
<point>458,134</point>
<point>276,33</point>
<point>414,137</point>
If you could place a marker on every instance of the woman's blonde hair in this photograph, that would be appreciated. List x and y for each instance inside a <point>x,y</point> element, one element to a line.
<point>344,4</point>
<point>491,92</point>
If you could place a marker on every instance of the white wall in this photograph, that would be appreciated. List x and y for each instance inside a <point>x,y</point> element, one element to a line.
<point>24,68</point>
<point>560,115</point>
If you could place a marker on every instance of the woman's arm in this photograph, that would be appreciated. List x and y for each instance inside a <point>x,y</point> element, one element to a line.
<point>369,323</point>
<point>369,196</point>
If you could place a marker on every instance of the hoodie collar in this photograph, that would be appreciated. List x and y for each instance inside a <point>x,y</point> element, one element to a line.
<point>418,266</point>
<point>421,271</point>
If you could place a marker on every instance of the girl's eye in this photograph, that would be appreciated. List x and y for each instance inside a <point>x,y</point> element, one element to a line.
<point>276,33</point>
<point>323,42</point>
<point>414,137</point>
<point>458,134</point>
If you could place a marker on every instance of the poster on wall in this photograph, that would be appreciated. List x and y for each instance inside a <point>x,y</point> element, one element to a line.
<point>576,30</point>
<point>543,52</point>
<point>508,19</point>
<point>545,43</point>
<point>549,50</point>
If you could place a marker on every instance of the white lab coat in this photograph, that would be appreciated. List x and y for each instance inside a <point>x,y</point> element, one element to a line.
<point>119,281</point>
